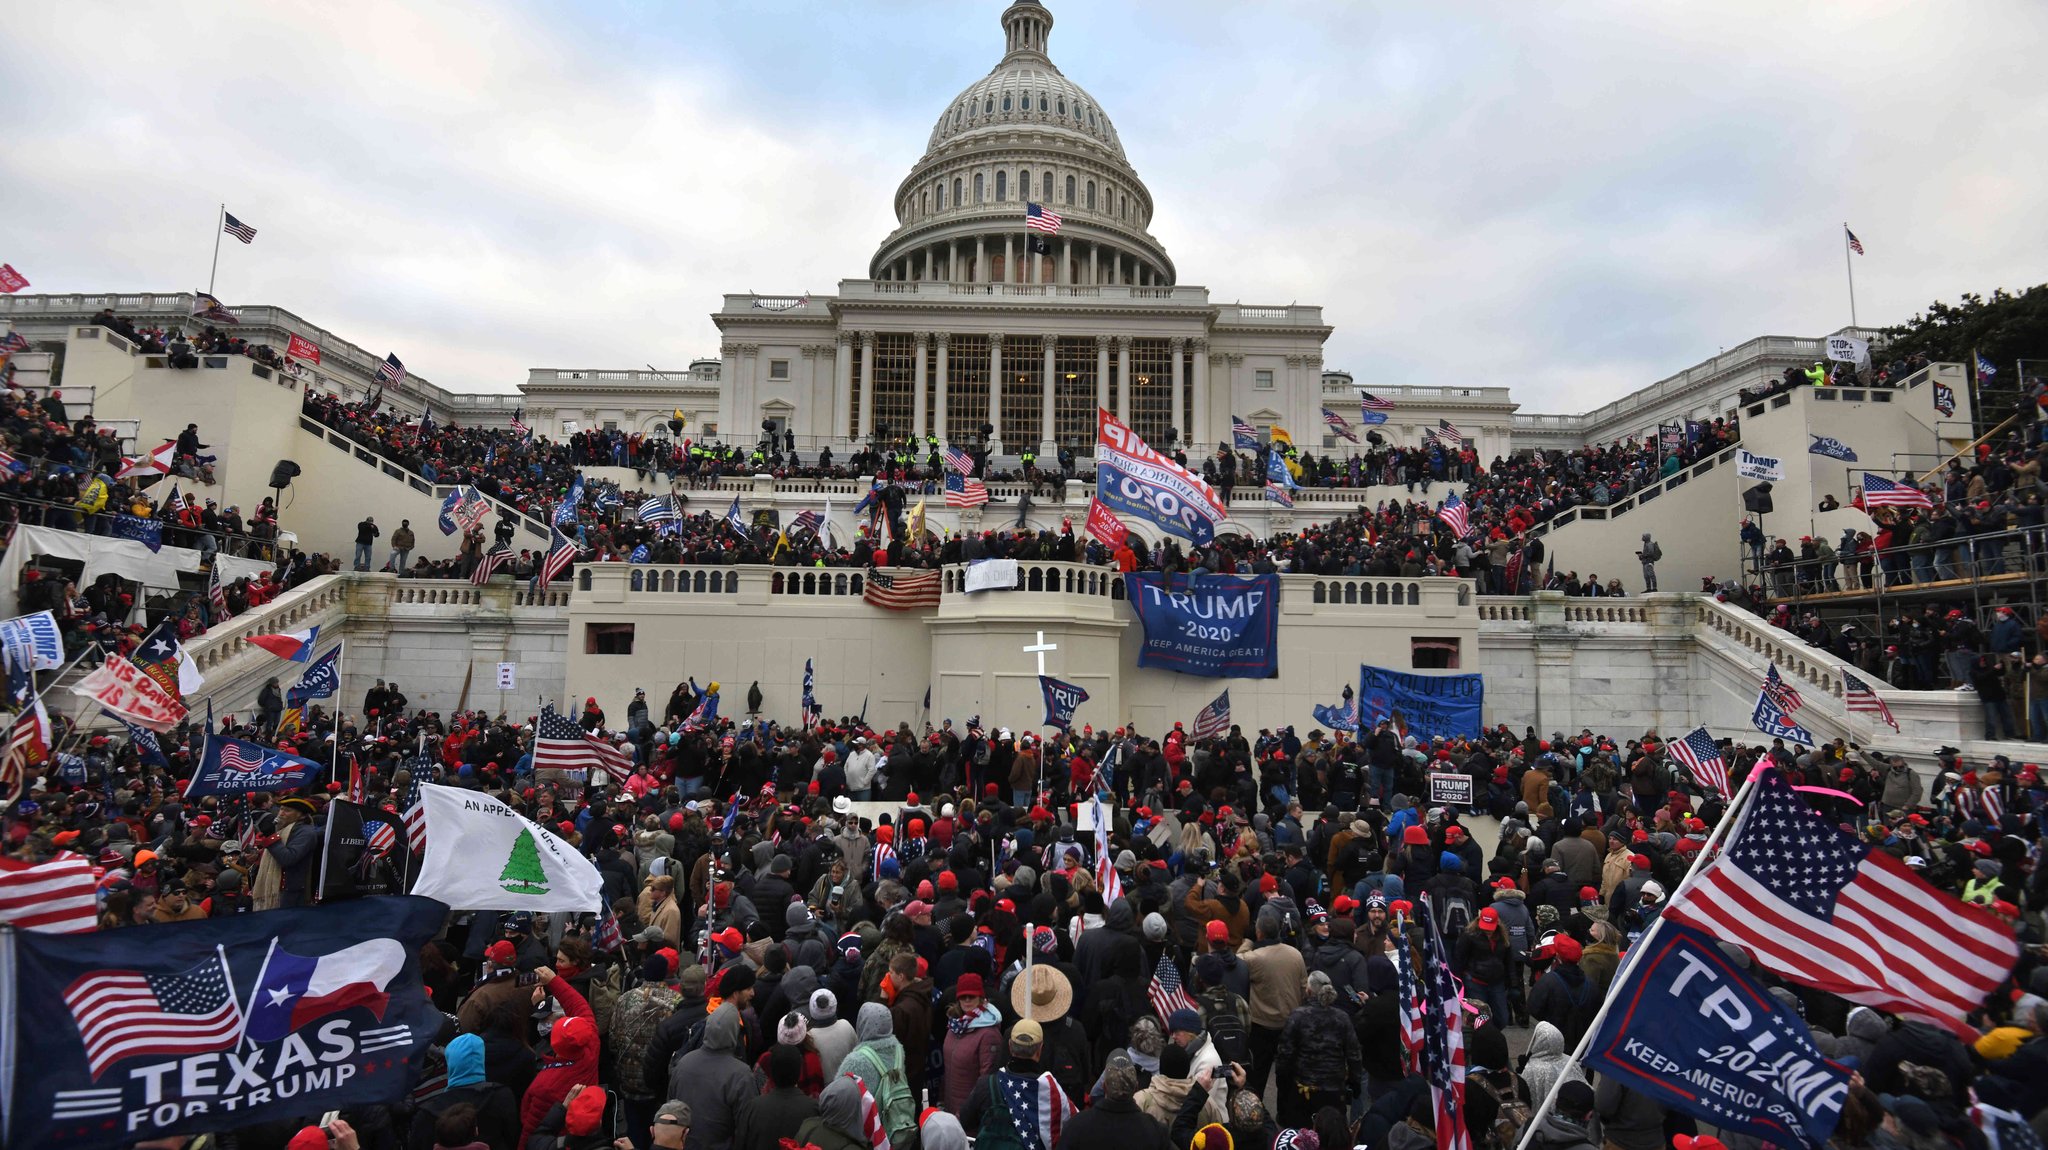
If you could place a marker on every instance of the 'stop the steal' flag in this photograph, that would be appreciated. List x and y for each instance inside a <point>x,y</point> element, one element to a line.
<point>1775,703</point>
<point>1693,1031</point>
<point>483,855</point>
<point>1062,699</point>
<point>221,1023</point>
<point>1132,479</point>
<point>233,767</point>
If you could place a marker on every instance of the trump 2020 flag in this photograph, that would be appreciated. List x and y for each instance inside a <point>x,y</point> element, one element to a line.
<point>32,642</point>
<point>483,855</point>
<point>446,520</point>
<point>1833,448</point>
<point>1062,699</point>
<point>1696,1033</point>
<point>218,1024</point>
<point>233,767</point>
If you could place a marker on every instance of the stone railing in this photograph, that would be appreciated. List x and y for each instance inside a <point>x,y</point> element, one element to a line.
<point>1048,578</point>
<point>321,602</point>
<point>537,528</point>
<point>1594,512</point>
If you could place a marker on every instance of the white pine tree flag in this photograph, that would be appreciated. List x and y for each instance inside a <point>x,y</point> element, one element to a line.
<point>483,855</point>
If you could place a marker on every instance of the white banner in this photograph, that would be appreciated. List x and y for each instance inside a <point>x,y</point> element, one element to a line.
<point>482,855</point>
<point>992,575</point>
<point>1848,349</point>
<point>1751,466</point>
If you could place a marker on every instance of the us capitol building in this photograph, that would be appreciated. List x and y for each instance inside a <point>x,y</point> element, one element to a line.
<point>968,319</point>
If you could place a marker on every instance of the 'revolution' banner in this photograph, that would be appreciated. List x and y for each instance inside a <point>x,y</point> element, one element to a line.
<point>1219,626</point>
<point>1430,705</point>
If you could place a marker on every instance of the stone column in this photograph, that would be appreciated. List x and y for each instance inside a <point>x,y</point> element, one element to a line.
<point>1199,436</point>
<point>842,387</point>
<point>939,393</point>
<point>917,395</point>
<point>1123,378</point>
<point>1048,447</point>
<point>1176,347</point>
<point>995,391</point>
<point>867,385</point>
<point>1094,277</point>
<point>980,260</point>
<point>1064,274</point>
<point>1102,372</point>
<point>1009,259</point>
<point>953,261</point>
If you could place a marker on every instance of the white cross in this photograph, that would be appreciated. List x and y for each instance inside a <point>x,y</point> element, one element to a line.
<point>1040,648</point>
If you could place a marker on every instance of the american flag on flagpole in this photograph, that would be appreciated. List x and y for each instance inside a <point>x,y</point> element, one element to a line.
<point>1165,990</point>
<point>806,520</point>
<point>1371,402</point>
<point>216,591</point>
<point>1107,881</point>
<point>1443,1039</point>
<point>1857,696</point>
<point>1213,721</point>
<point>1881,492</point>
<point>415,815</point>
<point>489,564</point>
<point>559,743</point>
<point>606,939</point>
<point>1822,908</point>
<point>1455,516</point>
<point>1855,245</point>
<point>1780,692</point>
<point>1040,218</point>
<point>561,553</point>
<point>1702,760</point>
<point>1336,424</point>
<point>125,1013</point>
<point>391,371</point>
<point>958,461</point>
<point>237,228</point>
<point>1410,997</point>
<point>964,492</point>
<point>1446,427</point>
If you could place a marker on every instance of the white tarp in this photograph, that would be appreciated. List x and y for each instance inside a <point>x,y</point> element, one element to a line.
<point>992,575</point>
<point>102,554</point>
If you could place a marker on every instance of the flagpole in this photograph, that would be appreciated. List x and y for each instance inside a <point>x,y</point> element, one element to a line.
<point>1848,264</point>
<point>1692,875</point>
<point>340,700</point>
<point>220,221</point>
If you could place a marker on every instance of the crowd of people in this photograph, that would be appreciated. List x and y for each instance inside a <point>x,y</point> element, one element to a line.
<point>767,949</point>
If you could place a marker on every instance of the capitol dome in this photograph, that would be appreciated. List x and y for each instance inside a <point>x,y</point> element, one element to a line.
<point>1023,134</point>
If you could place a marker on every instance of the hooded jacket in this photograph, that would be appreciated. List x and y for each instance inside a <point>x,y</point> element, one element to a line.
<point>497,1111</point>
<point>714,1081</point>
<point>1549,1063</point>
<point>972,1056</point>
<point>837,1124</point>
<point>877,1060</point>
<point>574,1040</point>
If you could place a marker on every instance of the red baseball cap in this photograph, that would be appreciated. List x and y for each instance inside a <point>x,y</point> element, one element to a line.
<point>1489,919</point>
<point>1218,931</point>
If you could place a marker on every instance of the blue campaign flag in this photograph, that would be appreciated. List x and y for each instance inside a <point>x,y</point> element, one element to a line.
<point>147,532</point>
<point>1344,718</point>
<point>733,516</point>
<point>1831,447</point>
<point>233,767</point>
<point>1372,418</point>
<point>1276,471</point>
<point>1430,705</point>
<point>1218,626</point>
<point>1243,436</point>
<point>71,768</point>
<point>640,554</point>
<point>224,1023</point>
<point>144,741</point>
<point>1696,1033</point>
<point>446,521</point>
<point>1061,700</point>
<point>32,642</point>
<point>320,681</point>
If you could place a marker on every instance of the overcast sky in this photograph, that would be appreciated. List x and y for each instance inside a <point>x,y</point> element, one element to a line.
<point>1573,202</point>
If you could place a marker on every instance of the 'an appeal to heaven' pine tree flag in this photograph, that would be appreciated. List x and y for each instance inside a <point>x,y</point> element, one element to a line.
<point>482,855</point>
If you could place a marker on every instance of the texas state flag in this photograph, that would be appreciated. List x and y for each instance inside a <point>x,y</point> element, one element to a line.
<point>294,645</point>
<point>295,991</point>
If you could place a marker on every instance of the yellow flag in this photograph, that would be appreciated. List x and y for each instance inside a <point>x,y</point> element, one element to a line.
<point>1280,435</point>
<point>915,521</point>
<point>679,415</point>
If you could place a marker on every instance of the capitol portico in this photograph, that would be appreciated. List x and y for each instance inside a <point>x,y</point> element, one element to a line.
<point>970,319</point>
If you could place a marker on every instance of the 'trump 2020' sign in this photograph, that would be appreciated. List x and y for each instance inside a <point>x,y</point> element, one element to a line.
<point>1430,705</point>
<point>1220,626</point>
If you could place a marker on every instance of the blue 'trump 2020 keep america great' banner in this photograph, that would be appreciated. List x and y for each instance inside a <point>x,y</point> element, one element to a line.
<point>1220,626</point>
<point>1430,705</point>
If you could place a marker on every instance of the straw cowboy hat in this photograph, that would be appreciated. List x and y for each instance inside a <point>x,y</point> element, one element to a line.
<point>1049,995</point>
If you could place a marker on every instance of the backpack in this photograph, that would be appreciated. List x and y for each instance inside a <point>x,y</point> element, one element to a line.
<point>691,1041</point>
<point>1513,1113</point>
<point>1457,913</point>
<point>605,988</point>
<point>1223,1016</point>
<point>1653,553</point>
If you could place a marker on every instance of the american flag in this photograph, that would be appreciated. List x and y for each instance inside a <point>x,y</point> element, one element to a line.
<point>1336,423</point>
<point>1243,436</point>
<point>216,591</point>
<point>1166,991</point>
<point>1780,692</point>
<point>1371,402</point>
<point>391,371</point>
<point>559,743</point>
<point>1446,427</point>
<point>1855,245</point>
<point>56,897</point>
<point>28,745</point>
<point>13,341</point>
<point>237,228</point>
<point>958,461</point>
<point>519,425</point>
<point>123,1013</point>
<point>606,938</point>
<point>871,1127</point>
<point>1881,492</point>
<point>1443,1039</point>
<point>1455,516</point>
<point>1857,696</point>
<point>807,521</point>
<point>416,810</point>
<point>489,563</point>
<point>561,553</point>
<point>1037,1108</point>
<point>1038,217</point>
<point>379,837</point>
<point>901,592</point>
<point>964,492</point>
<point>1213,721</point>
<point>1702,760</point>
<point>1821,908</point>
<point>1107,880</point>
<point>657,509</point>
<point>1410,998</point>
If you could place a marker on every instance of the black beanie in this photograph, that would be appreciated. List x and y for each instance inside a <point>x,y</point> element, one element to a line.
<point>734,979</point>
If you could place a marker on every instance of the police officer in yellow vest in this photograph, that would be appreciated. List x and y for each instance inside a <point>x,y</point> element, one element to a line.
<point>1817,375</point>
<point>1982,888</point>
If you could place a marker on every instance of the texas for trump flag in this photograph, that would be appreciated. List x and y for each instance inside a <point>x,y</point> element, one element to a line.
<point>483,855</point>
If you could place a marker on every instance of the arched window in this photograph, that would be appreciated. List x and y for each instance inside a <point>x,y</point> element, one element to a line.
<point>1045,185</point>
<point>956,191</point>
<point>977,188</point>
<point>1123,207</point>
<point>989,109</point>
<point>1002,186</point>
<point>1006,101</point>
<point>957,113</point>
<point>924,203</point>
<point>1070,189</point>
<point>1024,184</point>
<point>1042,103</point>
<point>1091,117</point>
<point>939,194</point>
<point>1091,195</point>
<point>1063,105</point>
